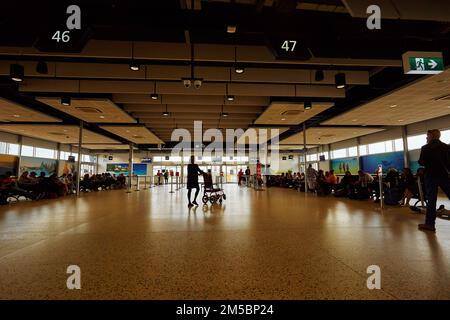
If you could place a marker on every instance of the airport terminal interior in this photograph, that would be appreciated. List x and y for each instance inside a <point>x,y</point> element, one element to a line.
<point>306,120</point>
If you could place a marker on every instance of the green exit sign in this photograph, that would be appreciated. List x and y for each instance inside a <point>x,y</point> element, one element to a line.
<point>423,63</point>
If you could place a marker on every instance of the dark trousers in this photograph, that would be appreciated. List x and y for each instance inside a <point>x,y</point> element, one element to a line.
<point>431,187</point>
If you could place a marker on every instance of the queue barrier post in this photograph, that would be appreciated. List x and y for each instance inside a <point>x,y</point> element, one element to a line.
<point>128,184</point>
<point>137,183</point>
<point>380,180</point>
<point>171,184</point>
<point>145,182</point>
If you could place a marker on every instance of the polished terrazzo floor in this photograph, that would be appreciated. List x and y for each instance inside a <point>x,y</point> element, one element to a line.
<point>273,244</point>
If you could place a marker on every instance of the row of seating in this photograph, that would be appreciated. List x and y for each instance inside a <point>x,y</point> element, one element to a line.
<point>29,186</point>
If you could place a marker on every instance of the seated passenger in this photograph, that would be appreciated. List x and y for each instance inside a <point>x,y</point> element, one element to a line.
<point>363,186</point>
<point>409,186</point>
<point>9,187</point>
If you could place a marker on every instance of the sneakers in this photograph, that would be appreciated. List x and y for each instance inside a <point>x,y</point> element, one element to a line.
<point>426,227</point>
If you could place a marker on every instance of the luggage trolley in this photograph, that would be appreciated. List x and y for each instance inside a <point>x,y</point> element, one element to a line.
<point>211,194</point>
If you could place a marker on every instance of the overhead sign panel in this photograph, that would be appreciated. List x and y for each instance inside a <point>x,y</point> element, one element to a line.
<point>423,62</point>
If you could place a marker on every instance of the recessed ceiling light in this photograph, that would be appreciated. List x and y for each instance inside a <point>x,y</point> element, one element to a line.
<point>340,80</point>
<point>102,117</point>
<point>393,106</point>
<point>16,116</point>
<point>239,70</point>
<point>282,119</point>
<point>230,98</point>
<point>16,72</point>
<point>224,114</point>
<point>134,66</point>
<point>65,101</point>
<point>231,29</point>
<point>165,113</point>
<point>154,96</point>
<point>354,120</point>
<point>401,120</point>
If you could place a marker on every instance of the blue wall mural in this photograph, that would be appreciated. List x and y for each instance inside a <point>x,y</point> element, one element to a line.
<point>388,160</point>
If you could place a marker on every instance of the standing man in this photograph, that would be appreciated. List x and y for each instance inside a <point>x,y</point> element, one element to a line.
<point>311,176</point>
<point>247,176</point>
<point>435,157</point>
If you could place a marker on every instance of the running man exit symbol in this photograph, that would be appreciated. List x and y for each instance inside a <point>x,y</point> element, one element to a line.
<point>423,62</point>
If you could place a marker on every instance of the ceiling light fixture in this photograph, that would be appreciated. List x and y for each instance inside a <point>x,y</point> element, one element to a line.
<point>42,67</point>
<point>102,117</point>
<point>154,95</point>
<point>231,28</point>
<point>340,80</point>
<point>65,101</point>
<point>239,69</point>
<point>393,106</point>
<point>224,114</point>
<point>319,75</point>
<point>16,72</point>
<point>16,116</point>
<point>230,97</point>
<point>307,105</point>
<point>165,113</point>
<point>134,66</point>
<point>283,119</point>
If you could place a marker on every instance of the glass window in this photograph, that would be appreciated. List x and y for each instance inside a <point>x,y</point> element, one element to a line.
<point>339,153</point>
<point>3,147</point>
<point>352,151</point>
<point>45,153</point>
<point>398,144</point>
<point>363,150</point>
<point>13,149</point>
<point>445,136</point>
<point>378,147</point>
<point>312,157</point>
<point>389,146</point>
<point>416,142</point>
<point>175,159</point>
<point>27,151</point>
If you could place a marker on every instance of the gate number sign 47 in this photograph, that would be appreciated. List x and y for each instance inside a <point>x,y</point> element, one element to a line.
<point>289,45</point>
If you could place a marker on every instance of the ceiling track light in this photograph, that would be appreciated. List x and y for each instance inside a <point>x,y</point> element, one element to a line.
<point>65,101</point>
<point>134,66</point>
<point>165,113</point>
<point>154,95</point>
<point>239,69</point>
<point>340,80</point>
<point>319,75</point>
<point>42,67</point>
<point>307,105</point>
<point>16,72</point>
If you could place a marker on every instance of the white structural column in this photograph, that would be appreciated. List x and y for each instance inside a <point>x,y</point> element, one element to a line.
<point>405,147</point>
<point>304,155</point>
<point>80,143</point>
<point>130,167</point>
